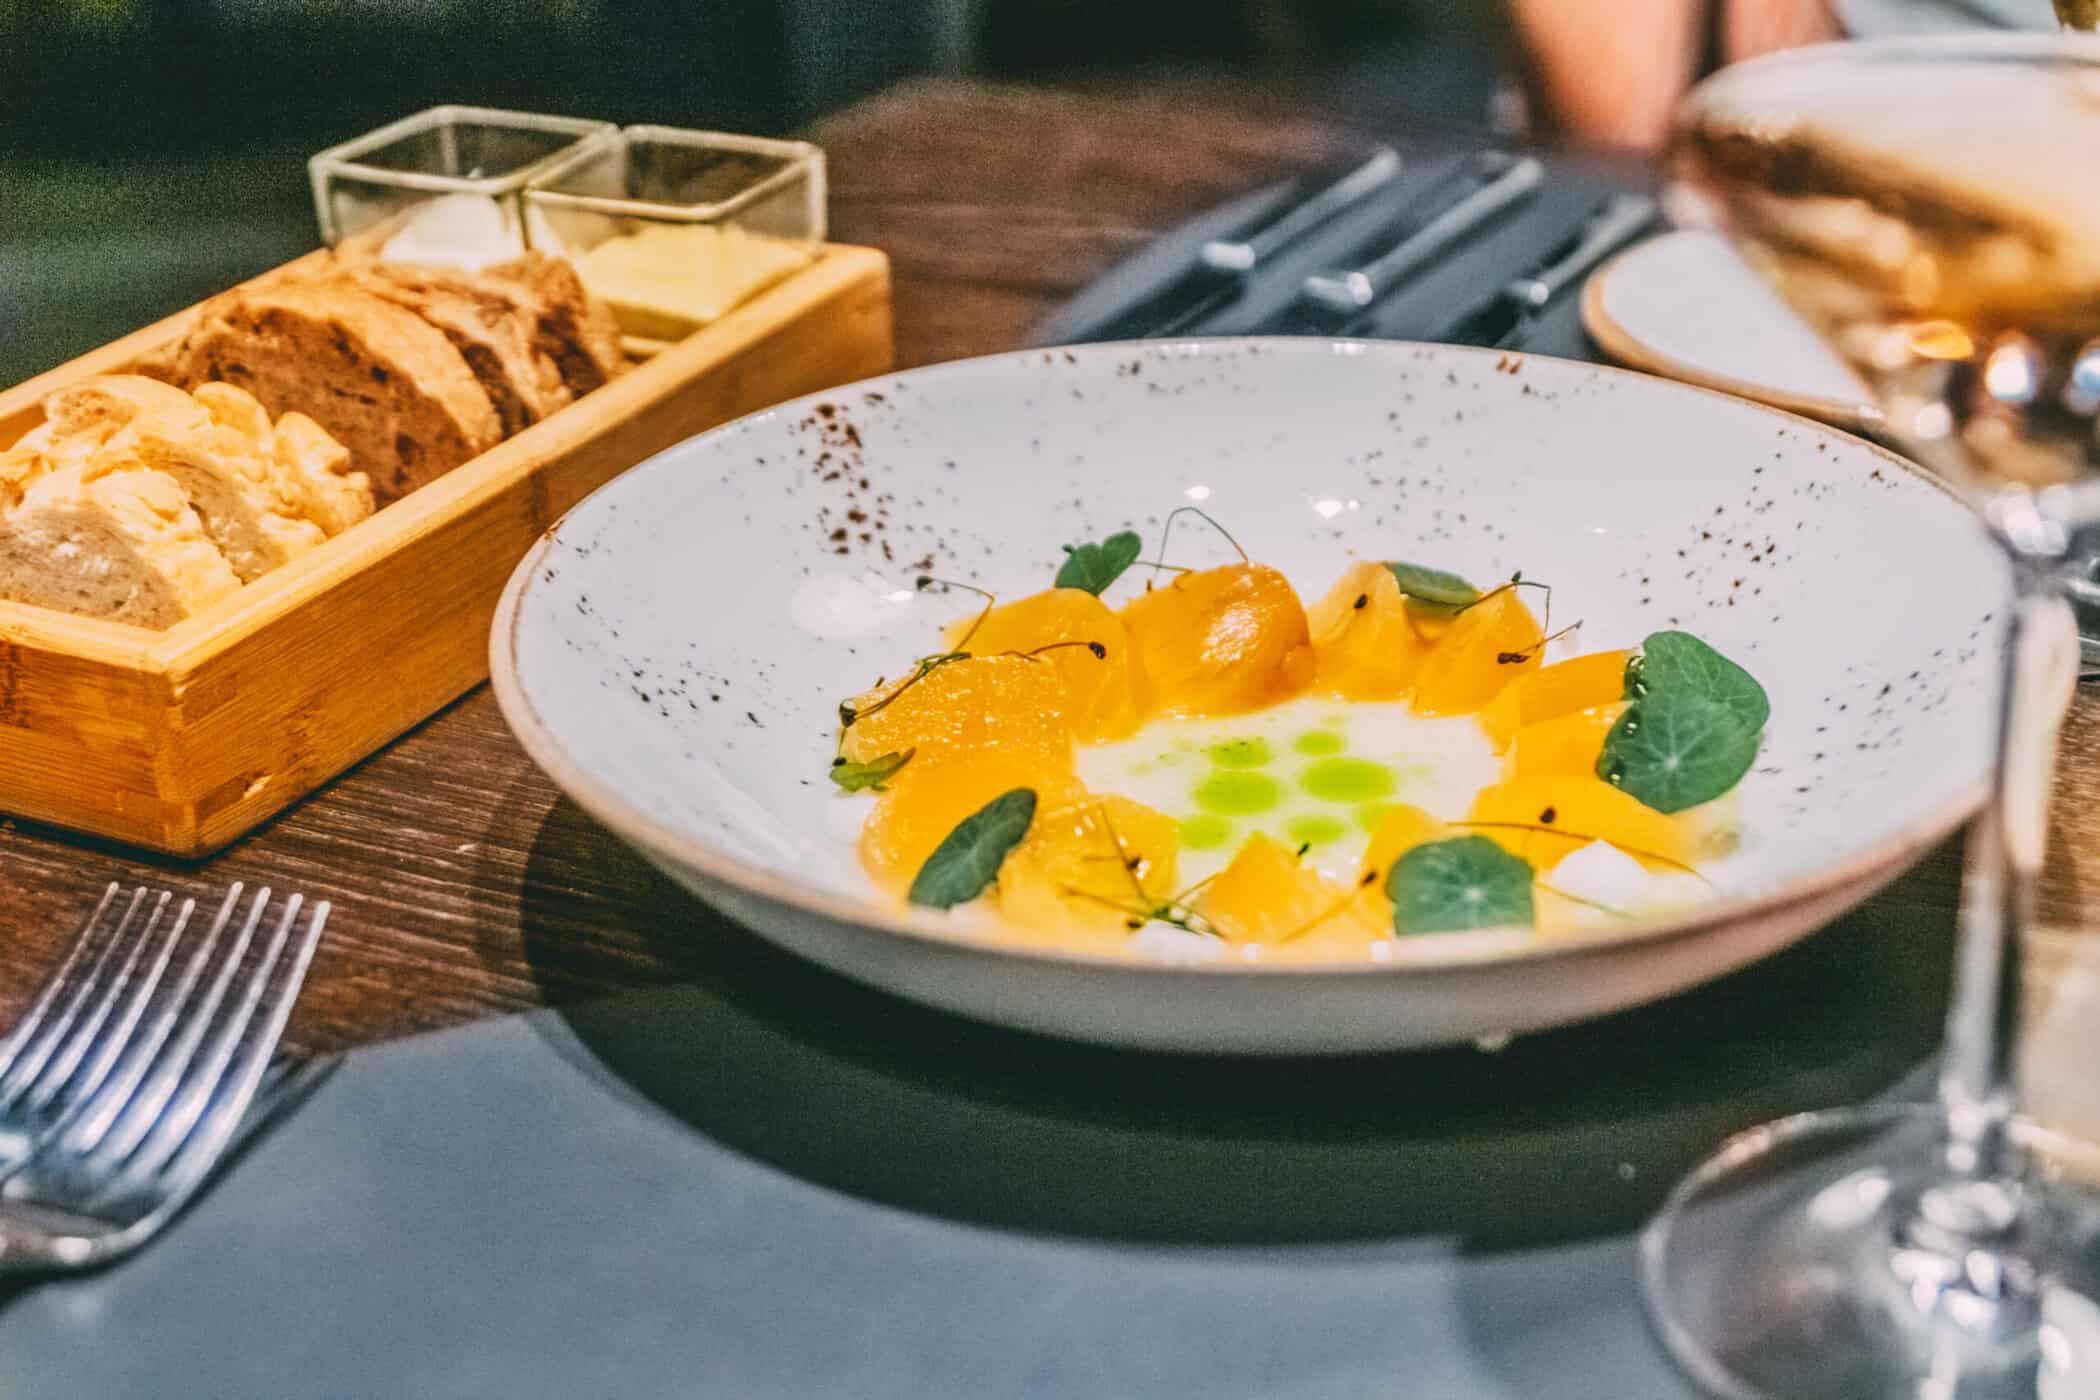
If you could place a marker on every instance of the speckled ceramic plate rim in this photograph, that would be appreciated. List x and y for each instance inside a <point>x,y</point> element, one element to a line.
<point>1876,863</point>
<point>1633,352</point>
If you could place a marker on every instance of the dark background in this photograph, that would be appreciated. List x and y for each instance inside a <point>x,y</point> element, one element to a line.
<point>152,151</point>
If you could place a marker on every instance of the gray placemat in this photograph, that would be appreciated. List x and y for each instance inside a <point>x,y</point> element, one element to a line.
<point>770,1182</point>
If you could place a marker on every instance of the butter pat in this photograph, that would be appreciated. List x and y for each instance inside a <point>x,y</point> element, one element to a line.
<point>668,280</point>
<point>466,231</point>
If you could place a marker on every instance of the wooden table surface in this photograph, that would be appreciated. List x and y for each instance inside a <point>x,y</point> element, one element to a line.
<point>466,886</point>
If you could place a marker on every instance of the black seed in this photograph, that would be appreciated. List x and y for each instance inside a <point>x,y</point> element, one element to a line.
<point>1546,817</point>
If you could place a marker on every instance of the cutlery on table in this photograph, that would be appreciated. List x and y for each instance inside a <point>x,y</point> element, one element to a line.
<point>1504,316</point>
<point>1225,264</point>
<point>1344,295</point>
<point>1245,254</point>
<point>122,1087</point>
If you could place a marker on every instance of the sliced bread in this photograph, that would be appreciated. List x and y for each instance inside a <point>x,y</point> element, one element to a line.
<point>337,496</point>
<point>218,446</point>
<point>378,378</point>
<point>251,507</point>
<point>81,417</point>
<point>492,324</point>
<point>575,329</point>
<point>121,544</point>
<point>317,468</point>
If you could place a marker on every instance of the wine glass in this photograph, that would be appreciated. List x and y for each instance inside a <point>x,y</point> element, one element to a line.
<point>1932,207</point>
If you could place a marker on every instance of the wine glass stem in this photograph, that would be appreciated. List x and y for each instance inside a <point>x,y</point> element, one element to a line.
<point>2005,849</point>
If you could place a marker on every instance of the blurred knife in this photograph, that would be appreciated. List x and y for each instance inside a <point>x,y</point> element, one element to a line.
<point>1350,292</point>
<point>1504,315</point>
<point>1224,265</point>
<point>1243,255</point>
<point>1444,192</point>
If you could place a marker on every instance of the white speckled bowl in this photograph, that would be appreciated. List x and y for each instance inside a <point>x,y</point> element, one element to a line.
<point>645,654</point>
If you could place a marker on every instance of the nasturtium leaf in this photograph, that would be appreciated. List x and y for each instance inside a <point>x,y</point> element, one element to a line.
<point>855,777</point>
<point>968,858</point>
<point>1674,749</point>
<point>1095,566</point>
<point>1464,883</point>
<point>1679,661</point>
<point>1445,590</point>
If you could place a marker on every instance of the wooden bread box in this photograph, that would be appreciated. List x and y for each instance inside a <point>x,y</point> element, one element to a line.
<point>181,741</point>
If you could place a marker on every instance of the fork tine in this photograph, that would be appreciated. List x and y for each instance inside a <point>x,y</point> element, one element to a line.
<point>47,995</point>
<point>188,1139</point>
<point>59,1090</point>
<point>109,1020</point>
<point>74,987</point>
<point>143,1057</point>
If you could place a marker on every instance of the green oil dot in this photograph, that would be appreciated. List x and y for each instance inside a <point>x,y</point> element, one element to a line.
<point>1205,833</point>
<point>1241,753</point>
<point>1318,743</point>
<point>1140,769</point>
<point>1348,780</point>
<point>1237,794</point>
<point>1371,814</point>
<point>1314,831</point>
<point>1168,760</point>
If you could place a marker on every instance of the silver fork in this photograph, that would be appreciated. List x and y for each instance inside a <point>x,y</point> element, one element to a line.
<point>99,990</point>
<point>121,1088</point>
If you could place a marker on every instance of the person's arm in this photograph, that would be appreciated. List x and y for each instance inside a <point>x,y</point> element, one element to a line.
<point>1609,74</point>
<point>1753,27</point>
<point>1613,74</point>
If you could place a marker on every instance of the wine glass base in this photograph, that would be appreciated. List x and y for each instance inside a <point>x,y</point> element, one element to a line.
<point>1830,1255</point>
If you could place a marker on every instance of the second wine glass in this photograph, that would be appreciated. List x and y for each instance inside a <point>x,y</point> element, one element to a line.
<point>1928,205</point>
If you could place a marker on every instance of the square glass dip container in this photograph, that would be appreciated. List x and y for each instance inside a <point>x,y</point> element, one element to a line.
<point>444,185</point>
<point>673,228</point>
